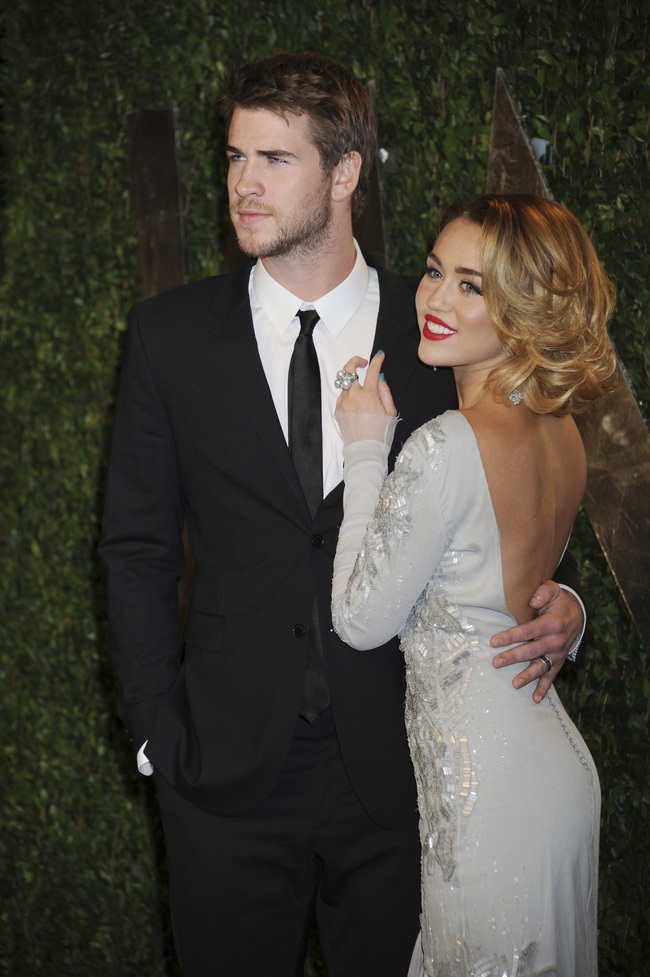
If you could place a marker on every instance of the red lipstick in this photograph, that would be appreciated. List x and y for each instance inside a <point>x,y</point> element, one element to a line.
<point>429,333</point>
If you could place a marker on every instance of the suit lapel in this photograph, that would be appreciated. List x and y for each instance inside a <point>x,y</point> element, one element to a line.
<point>397,332</point>
<point>240,369</point>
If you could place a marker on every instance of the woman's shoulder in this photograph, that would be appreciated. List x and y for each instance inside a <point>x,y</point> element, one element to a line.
<point>450,424</point>
<point>444,443</point>
<point>448,429</point>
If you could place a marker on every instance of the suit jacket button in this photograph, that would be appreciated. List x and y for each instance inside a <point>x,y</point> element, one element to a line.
<point>317,541</point>
<point>299,630</point>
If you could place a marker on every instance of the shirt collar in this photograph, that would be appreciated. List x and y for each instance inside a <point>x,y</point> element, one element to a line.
<point>335,308</point>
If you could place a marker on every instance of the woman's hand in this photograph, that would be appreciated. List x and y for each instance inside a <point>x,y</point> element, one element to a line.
<point>366,413</point>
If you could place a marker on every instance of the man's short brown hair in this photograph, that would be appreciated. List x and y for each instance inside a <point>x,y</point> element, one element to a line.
<point>341,118</point>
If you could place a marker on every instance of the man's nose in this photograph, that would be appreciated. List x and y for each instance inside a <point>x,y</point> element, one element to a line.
<point>248,182</point>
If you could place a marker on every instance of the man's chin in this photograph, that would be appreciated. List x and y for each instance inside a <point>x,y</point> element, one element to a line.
<point>250,248</point>
<point>303,243</point>
<point>254,248</point>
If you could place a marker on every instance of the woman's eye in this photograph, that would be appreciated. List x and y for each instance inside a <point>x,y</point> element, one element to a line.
<point>431,272</point>
<point>471,289</point>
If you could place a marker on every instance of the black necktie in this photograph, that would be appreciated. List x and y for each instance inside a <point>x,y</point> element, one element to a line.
<point>306,446</point>
<point>305,431</point>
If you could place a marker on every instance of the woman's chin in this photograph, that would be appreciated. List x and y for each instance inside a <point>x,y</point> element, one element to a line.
<point>427,354</point>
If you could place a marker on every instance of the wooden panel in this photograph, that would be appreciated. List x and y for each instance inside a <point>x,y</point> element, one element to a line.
<point>156,199</point>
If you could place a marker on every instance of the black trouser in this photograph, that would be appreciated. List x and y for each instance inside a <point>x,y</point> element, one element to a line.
<point>244,890</point>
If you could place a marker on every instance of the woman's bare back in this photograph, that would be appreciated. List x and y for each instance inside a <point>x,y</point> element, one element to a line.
<point>535,468</point>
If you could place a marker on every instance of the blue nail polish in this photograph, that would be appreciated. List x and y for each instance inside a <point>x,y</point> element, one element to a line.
<point>379,352</point>
<point>382,377</point>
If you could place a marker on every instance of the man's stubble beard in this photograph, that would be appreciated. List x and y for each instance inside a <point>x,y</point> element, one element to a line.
<point>302,236</point>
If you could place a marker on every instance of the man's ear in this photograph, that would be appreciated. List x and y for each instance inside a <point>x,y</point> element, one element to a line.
<point>345,176</point>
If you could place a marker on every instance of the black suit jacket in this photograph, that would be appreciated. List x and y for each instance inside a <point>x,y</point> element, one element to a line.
<point>196,436</point>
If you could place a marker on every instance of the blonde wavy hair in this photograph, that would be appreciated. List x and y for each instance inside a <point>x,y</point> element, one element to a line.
<point>548,298</point>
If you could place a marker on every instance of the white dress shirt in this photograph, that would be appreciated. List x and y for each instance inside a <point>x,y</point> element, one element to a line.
<point>348,319</point>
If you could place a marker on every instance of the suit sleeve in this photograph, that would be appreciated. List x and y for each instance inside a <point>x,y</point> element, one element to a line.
<point>141,543</point>
<point>567,577</point>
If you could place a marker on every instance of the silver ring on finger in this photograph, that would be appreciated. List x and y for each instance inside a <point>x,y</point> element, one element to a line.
<point>546,662</point>
<point>344,380</point>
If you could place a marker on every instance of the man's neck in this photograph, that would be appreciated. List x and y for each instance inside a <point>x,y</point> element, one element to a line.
<point>309,276</point>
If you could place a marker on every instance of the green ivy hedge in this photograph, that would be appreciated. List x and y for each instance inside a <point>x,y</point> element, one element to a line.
<point>81,870</point>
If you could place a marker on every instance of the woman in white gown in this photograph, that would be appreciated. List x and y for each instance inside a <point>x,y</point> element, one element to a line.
<point>476,513</point>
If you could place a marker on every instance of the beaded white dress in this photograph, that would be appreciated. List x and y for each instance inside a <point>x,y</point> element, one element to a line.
<point>508,793</point>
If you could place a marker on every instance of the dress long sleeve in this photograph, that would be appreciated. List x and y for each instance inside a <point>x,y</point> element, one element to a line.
<point>391,539</point>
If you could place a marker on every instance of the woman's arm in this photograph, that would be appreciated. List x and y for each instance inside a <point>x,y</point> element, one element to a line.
<point>392,534</point>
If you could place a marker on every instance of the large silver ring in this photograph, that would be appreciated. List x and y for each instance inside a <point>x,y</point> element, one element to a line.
<point>546,662</point>
<point>345,380</point>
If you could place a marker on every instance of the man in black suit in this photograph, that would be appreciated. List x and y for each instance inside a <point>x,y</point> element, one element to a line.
<point>279,753</point>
